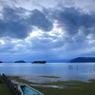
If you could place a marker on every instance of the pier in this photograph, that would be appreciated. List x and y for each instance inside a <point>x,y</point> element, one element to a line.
<point>8,85</point>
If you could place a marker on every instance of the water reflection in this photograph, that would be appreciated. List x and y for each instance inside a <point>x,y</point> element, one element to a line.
<point>66,71</point>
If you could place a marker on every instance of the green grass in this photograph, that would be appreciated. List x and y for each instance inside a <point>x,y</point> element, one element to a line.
<point>69,84</point>
<point>49,76</point>
<point>18,79</point>
<point>4,89</point>
<point>72,87</point>
<point>56,91</point>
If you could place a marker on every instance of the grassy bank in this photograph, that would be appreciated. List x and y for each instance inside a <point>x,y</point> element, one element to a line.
<point>50,76</point>
<point>71,87</point>
<point>4,89</point>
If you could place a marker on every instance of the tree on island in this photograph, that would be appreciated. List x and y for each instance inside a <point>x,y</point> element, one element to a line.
<point>39,62</point>
<point>20,61</point>
<point>1,62</point>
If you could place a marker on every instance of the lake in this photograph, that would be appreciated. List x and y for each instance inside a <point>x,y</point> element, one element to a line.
<point>66,71</point>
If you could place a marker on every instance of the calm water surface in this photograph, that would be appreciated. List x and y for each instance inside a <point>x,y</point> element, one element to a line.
<point>78,71</point>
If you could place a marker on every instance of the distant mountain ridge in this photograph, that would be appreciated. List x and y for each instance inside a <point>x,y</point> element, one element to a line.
<point>83,59</point>
<point>59,61</point>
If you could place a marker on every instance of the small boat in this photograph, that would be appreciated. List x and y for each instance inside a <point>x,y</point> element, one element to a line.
<point>27,90</point>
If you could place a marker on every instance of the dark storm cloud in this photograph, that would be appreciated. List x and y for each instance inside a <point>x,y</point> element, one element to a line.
<point>38,19</point>
<point>12,24</point>
<point>16,24</point>
<point>72,35</point>
<point>78,30</point>
<point>72,20</point>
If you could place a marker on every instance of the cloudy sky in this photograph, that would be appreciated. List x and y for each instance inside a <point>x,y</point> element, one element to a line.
<point>46,29</point>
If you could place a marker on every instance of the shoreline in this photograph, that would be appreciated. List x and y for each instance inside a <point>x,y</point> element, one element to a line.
<point>17,79</point>
<point>61,87</point>
<point>41,78</point>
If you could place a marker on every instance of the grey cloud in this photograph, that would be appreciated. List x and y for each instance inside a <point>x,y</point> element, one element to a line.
<point>72,20</point>
<point>16,24</point>
<point>38,19</point>
<point>12,46</point>
<point>5,48</point>
<point>76,25</point>
<point>12,24</point>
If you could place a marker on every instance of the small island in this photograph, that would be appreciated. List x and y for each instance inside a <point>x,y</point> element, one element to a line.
<point>1,62</point>
<point>39,62</point>
<point>20,61</point>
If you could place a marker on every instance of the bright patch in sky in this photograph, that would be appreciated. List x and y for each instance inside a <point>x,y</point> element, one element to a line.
<point>2,42</point>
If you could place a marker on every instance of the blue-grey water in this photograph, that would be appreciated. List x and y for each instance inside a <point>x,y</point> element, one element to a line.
<point>77,71</point>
